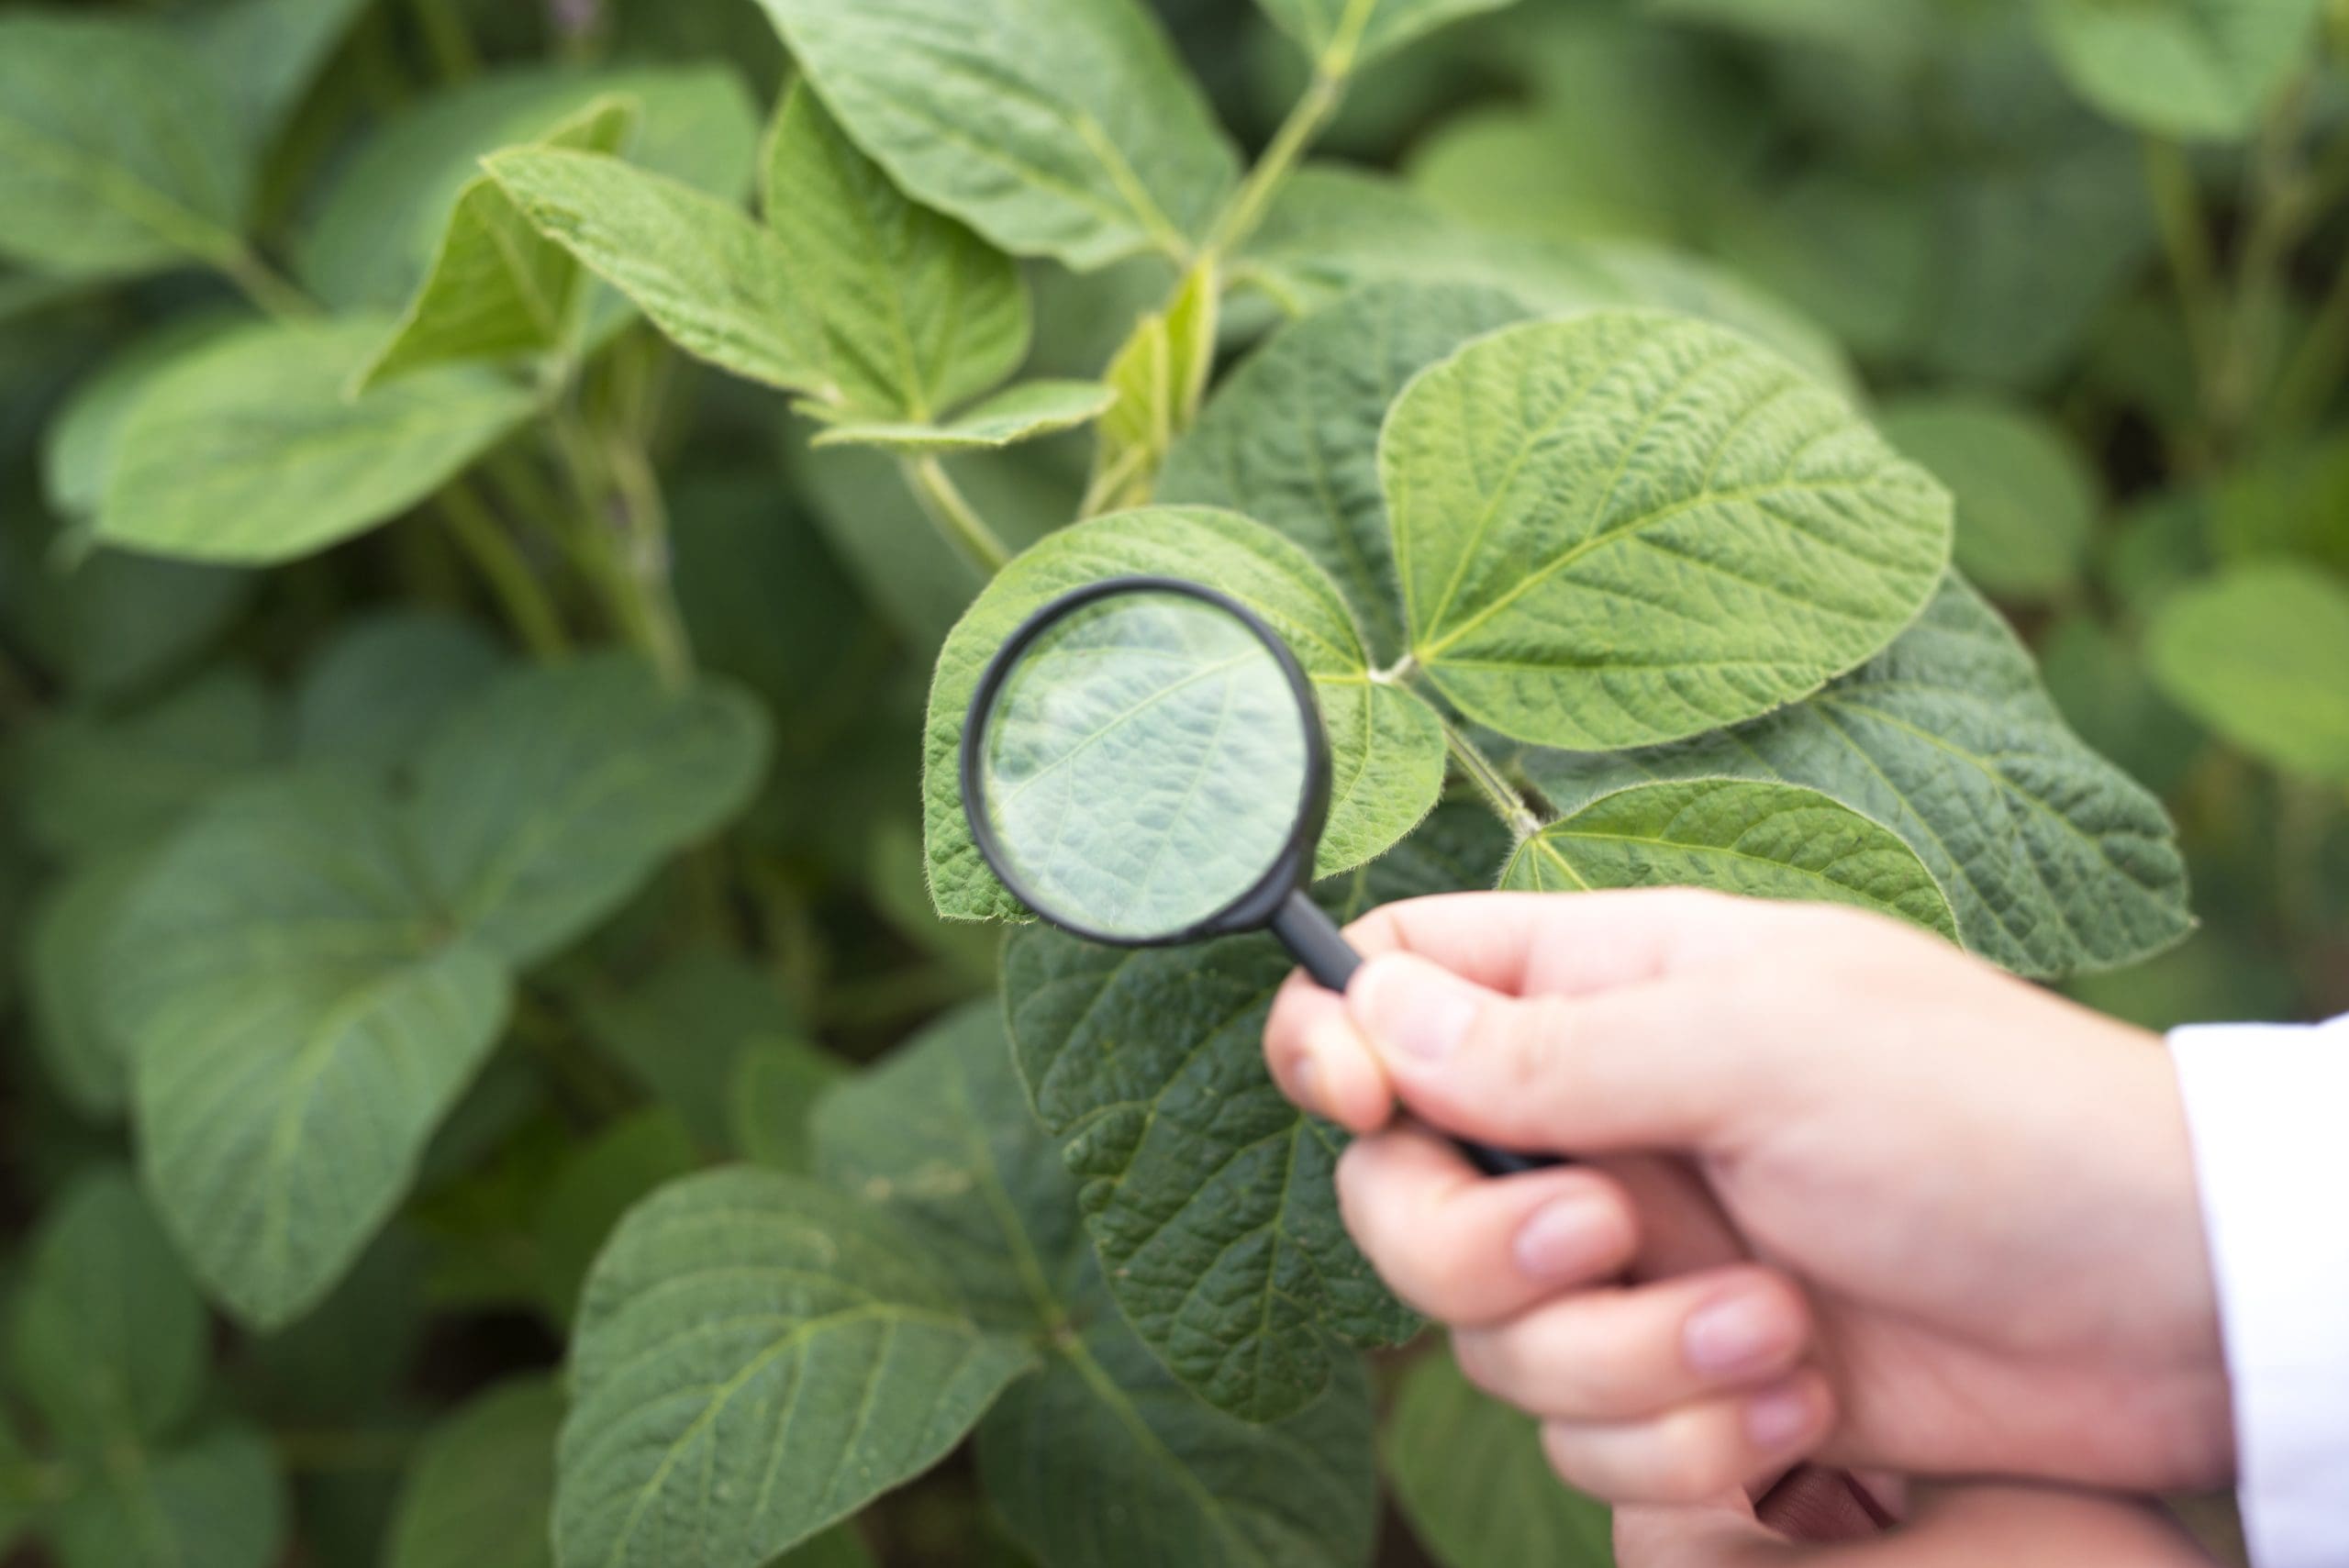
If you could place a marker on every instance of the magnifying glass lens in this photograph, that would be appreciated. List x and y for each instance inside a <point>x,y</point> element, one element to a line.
<point>1141,765</point>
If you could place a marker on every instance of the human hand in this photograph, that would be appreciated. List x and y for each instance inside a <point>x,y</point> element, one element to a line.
<point>1878,1203</point>
<point>2014,1527</point>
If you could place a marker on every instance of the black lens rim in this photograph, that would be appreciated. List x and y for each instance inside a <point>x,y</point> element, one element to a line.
<point>1290,870</point>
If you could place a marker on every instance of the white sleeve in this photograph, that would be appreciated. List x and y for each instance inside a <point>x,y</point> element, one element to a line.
<point>2266,1107</point>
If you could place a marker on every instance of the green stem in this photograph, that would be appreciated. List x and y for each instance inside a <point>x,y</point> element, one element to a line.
<point>2279,213</point>
<point>2315,370</point>
<point>622,541</point>
<point>1288,149</point>
<point>1491,782</point>
<point>260,283</point>
<point>2187,238</point>
<point>519,593</point>
<point>954,514</point>
<point>453,54</point>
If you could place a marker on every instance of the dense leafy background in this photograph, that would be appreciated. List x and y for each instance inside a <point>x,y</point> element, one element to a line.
<point>486,486</point>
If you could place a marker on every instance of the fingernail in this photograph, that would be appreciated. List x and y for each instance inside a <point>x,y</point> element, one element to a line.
<point>1785,1417</point>
<point>1570,1237</point>
<point>1418,1009</point>
<point>1746,1333</point>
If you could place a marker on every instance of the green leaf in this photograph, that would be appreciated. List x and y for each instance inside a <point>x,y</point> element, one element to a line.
<point>481,1488</point>
<point>249,450</point>
<point>117,152</point>
<point>1759,840</point>
<point>2100,682</point>
<point>1470,1475</point>
<point>920,314</point>
<point>110,623</point>
<point>1627,527</point>
<point>595,1188</point>
<point>2026,500</point>
<point>1071,132</point>
<point>772,1097</point>
<point>543,803</point>
<point>2257,655</point>
<point>92,784</point>
<point>109,1341</point>
<point>1207,1194</point>
<point>1102,1456</point>
<point>301,1016</point>
<point>940,1134</point>
<point>2053,860</point>
<point>1157,379</point>
<point>266,53</point>
<point>380,223</point>
<point>718,284</point>
<point>1023,413</point>
<point>2183,68</point>
<point>375,692</point>
<point>1345,35</point>
<point>78,449</point>
<point>497,290</point>
<point>216,1503</point>
<point>68,980</point>
<point>757,1358</point>
<point>1385,746</point>
<point>686,1028</point>
<point>1292,435</point>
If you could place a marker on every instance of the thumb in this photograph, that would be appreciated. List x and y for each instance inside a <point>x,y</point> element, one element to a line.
<point>1652,1065</point>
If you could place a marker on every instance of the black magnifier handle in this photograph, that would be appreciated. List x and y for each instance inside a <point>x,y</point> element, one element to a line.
<point>1314,939</point>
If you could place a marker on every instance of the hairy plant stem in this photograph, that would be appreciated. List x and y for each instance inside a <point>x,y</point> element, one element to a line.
<point>954,516</point>
<point>1296,134</point>
<point>519,593</point>
<point>623,539</point>
<point>1491,782</point>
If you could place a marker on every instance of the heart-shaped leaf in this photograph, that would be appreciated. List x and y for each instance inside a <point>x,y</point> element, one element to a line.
<point>250,449</point>
<point>1758,841</point>
<point>117,152</point>
<point>2257,655</point>
<point>919,314</point>
<point>1101,1456</point>
<point>1626,527</point>
<point>758,1357</point>
<point>1385,746</point>
<point>1071,131</point>
<point>1207,1194</point>
<point>2053,859</point>
<point>2026,500</point>
<point>108,1340</point>
<point>497,290</point>
<point>2185,68</point>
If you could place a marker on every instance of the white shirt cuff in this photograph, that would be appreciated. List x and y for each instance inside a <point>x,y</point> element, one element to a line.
<point>2266,1107</point>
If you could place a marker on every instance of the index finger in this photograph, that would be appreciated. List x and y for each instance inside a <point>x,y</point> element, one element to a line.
<point>1570,944</point>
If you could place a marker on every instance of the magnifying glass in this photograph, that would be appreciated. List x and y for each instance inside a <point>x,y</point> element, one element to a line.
<point>1144,766</point>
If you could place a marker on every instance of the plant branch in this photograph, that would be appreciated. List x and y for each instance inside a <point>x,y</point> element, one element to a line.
<point>954,514</point>
<point>1490,782</point>
<point>453,54</point>
<point>1288,149</point>
<point>622,541</point>
<point>270,292</point>
<point>519,593</point>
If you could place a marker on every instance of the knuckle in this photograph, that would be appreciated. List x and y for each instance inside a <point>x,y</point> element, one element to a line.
<point>1532,1048</point>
